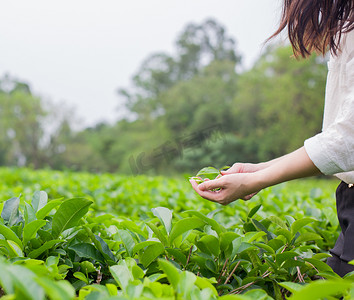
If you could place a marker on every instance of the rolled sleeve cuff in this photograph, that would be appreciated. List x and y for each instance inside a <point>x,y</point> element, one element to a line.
<point>317,154</point>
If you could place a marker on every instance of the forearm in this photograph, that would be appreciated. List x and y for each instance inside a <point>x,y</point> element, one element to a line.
<point>291,166</point>
<point>273,161</point>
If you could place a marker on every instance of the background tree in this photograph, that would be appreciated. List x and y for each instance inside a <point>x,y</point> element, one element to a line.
<point>21,116</point>
<point>279,103</point>
<point>186,111</point>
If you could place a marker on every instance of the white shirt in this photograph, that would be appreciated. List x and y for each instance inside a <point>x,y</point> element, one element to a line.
<point>332,150</point>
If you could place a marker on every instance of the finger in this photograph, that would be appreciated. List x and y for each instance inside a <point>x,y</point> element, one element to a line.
<point>234,169</point>
<point>211,184</point>
<point>213,196</point>
<point>248,197</point>
<point>194,184</point>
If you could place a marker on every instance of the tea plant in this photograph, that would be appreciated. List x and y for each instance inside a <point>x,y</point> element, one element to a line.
<point>273,247</point>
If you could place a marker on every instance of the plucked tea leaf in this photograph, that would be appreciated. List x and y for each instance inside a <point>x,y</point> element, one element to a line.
<point>208,172</point>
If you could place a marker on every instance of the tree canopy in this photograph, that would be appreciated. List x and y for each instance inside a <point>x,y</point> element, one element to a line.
<point>186,110</point>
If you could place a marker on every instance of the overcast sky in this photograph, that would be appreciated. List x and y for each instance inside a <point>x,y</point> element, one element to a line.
<point>81,51</point>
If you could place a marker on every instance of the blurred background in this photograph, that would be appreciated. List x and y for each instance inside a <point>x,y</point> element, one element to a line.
<point>156,87</point>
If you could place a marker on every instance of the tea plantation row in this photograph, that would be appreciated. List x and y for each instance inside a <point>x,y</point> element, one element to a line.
<point>70,235</point>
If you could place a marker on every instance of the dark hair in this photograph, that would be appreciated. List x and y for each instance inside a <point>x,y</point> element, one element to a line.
<point>316,25</point>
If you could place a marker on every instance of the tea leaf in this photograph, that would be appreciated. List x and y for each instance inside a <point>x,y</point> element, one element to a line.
<point>68,214</point>
<point>165,216</point>
<point>184,225</point>
<point>39,200</point>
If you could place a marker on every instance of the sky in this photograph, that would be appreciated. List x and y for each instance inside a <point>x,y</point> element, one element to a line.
<point>79,52</point>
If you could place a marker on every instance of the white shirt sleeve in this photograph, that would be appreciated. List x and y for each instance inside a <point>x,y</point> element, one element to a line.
<point>332,150</point>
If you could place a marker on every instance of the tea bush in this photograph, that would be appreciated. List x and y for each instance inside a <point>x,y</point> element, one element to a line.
<point>70,235</point>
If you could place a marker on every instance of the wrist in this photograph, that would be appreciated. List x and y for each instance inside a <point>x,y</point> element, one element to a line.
<point>256,181</point>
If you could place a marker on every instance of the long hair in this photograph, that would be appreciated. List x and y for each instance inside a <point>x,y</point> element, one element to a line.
<point>316,25</point>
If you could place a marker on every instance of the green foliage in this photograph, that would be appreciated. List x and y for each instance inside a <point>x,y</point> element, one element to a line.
<point>284,103</point>
<point>248,250</point>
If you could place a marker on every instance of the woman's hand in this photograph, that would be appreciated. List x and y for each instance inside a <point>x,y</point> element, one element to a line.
<point>244,168</point>
<point>242,181</point>
<point>229,188</point>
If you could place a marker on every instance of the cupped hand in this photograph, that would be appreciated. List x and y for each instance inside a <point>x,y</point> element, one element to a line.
<point>225,189</point>
<point>243,168</point>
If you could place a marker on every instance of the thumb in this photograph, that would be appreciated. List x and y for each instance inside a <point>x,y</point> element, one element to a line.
<point>236,168</point>
<point>210,185</point>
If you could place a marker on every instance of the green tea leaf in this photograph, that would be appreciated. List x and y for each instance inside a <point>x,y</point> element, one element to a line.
<point>57,290</point>
<point>30,230</point>
<point>321,289</point>
<point>211,243</point>
<point>178,255</point>
<point>87,251</point>
<point>39,200</point>
<point>87,267</point>
<point>164,215</point>
<point>214,224</point>
<point>81,276</point>
<point>161,236</point>
<point>29,214</point>
<point>254,211</point>
<point>291,286</point>
<point>68,214</point>
<point>143,245</point>
<point>265,247</point>
<point>184,225</point>
<point>10,212</point>
<point>43,212</point>
<point>282,257</point>
<point>46,246</point>
<point>208,172</point>
<point>10,235</point>
<point>151,253</point>
<point>24,280</point>
<point>104,249</point>
<point>127,240</point>
<point>121,274</point>
<point>278,221</point>
<point>307,236</point>
<point>170,270</point>
<point>298,224</point>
